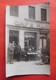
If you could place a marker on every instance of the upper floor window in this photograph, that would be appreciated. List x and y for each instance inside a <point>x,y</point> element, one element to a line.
<point>43,14</point>
<point>31,12</point>
<point>14,11</point>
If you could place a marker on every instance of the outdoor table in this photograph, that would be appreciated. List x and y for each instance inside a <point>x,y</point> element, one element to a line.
<point>32,55</point>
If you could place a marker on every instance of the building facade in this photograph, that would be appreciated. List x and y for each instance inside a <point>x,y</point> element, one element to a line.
<point>28,25</point>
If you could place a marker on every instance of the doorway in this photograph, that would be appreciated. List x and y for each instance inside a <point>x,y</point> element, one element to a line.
<point>30,41</point>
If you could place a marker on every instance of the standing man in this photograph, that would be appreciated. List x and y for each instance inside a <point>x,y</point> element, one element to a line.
<point>10,53</point>
<point>17,51</point>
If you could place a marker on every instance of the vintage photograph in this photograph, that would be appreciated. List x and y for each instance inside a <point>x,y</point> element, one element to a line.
<point>27,39</point>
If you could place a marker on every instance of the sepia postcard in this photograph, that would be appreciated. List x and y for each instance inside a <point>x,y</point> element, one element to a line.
<point>28,39</point>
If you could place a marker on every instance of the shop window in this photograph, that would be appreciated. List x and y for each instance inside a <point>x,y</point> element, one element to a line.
<point>13,36</point>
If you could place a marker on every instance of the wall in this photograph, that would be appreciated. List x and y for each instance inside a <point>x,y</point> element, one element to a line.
<point>24,13</point>
<point>21,38</point>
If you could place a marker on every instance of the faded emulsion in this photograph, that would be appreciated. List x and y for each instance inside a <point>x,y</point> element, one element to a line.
<point>28,36</point>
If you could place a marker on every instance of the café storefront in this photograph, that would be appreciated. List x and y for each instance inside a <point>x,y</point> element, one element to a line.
<point>30,37</point>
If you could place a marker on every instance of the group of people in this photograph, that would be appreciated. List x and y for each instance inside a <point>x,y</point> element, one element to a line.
<point>14,51</point>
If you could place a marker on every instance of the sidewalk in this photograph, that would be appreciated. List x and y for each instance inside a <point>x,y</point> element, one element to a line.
<point>26,68</point>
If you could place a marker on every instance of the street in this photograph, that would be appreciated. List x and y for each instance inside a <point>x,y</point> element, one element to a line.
<point>26,68</point>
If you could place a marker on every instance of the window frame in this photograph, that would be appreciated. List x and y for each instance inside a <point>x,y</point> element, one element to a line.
<point>33,17</point>
<point>14,15</point>
<point>42,13</point>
